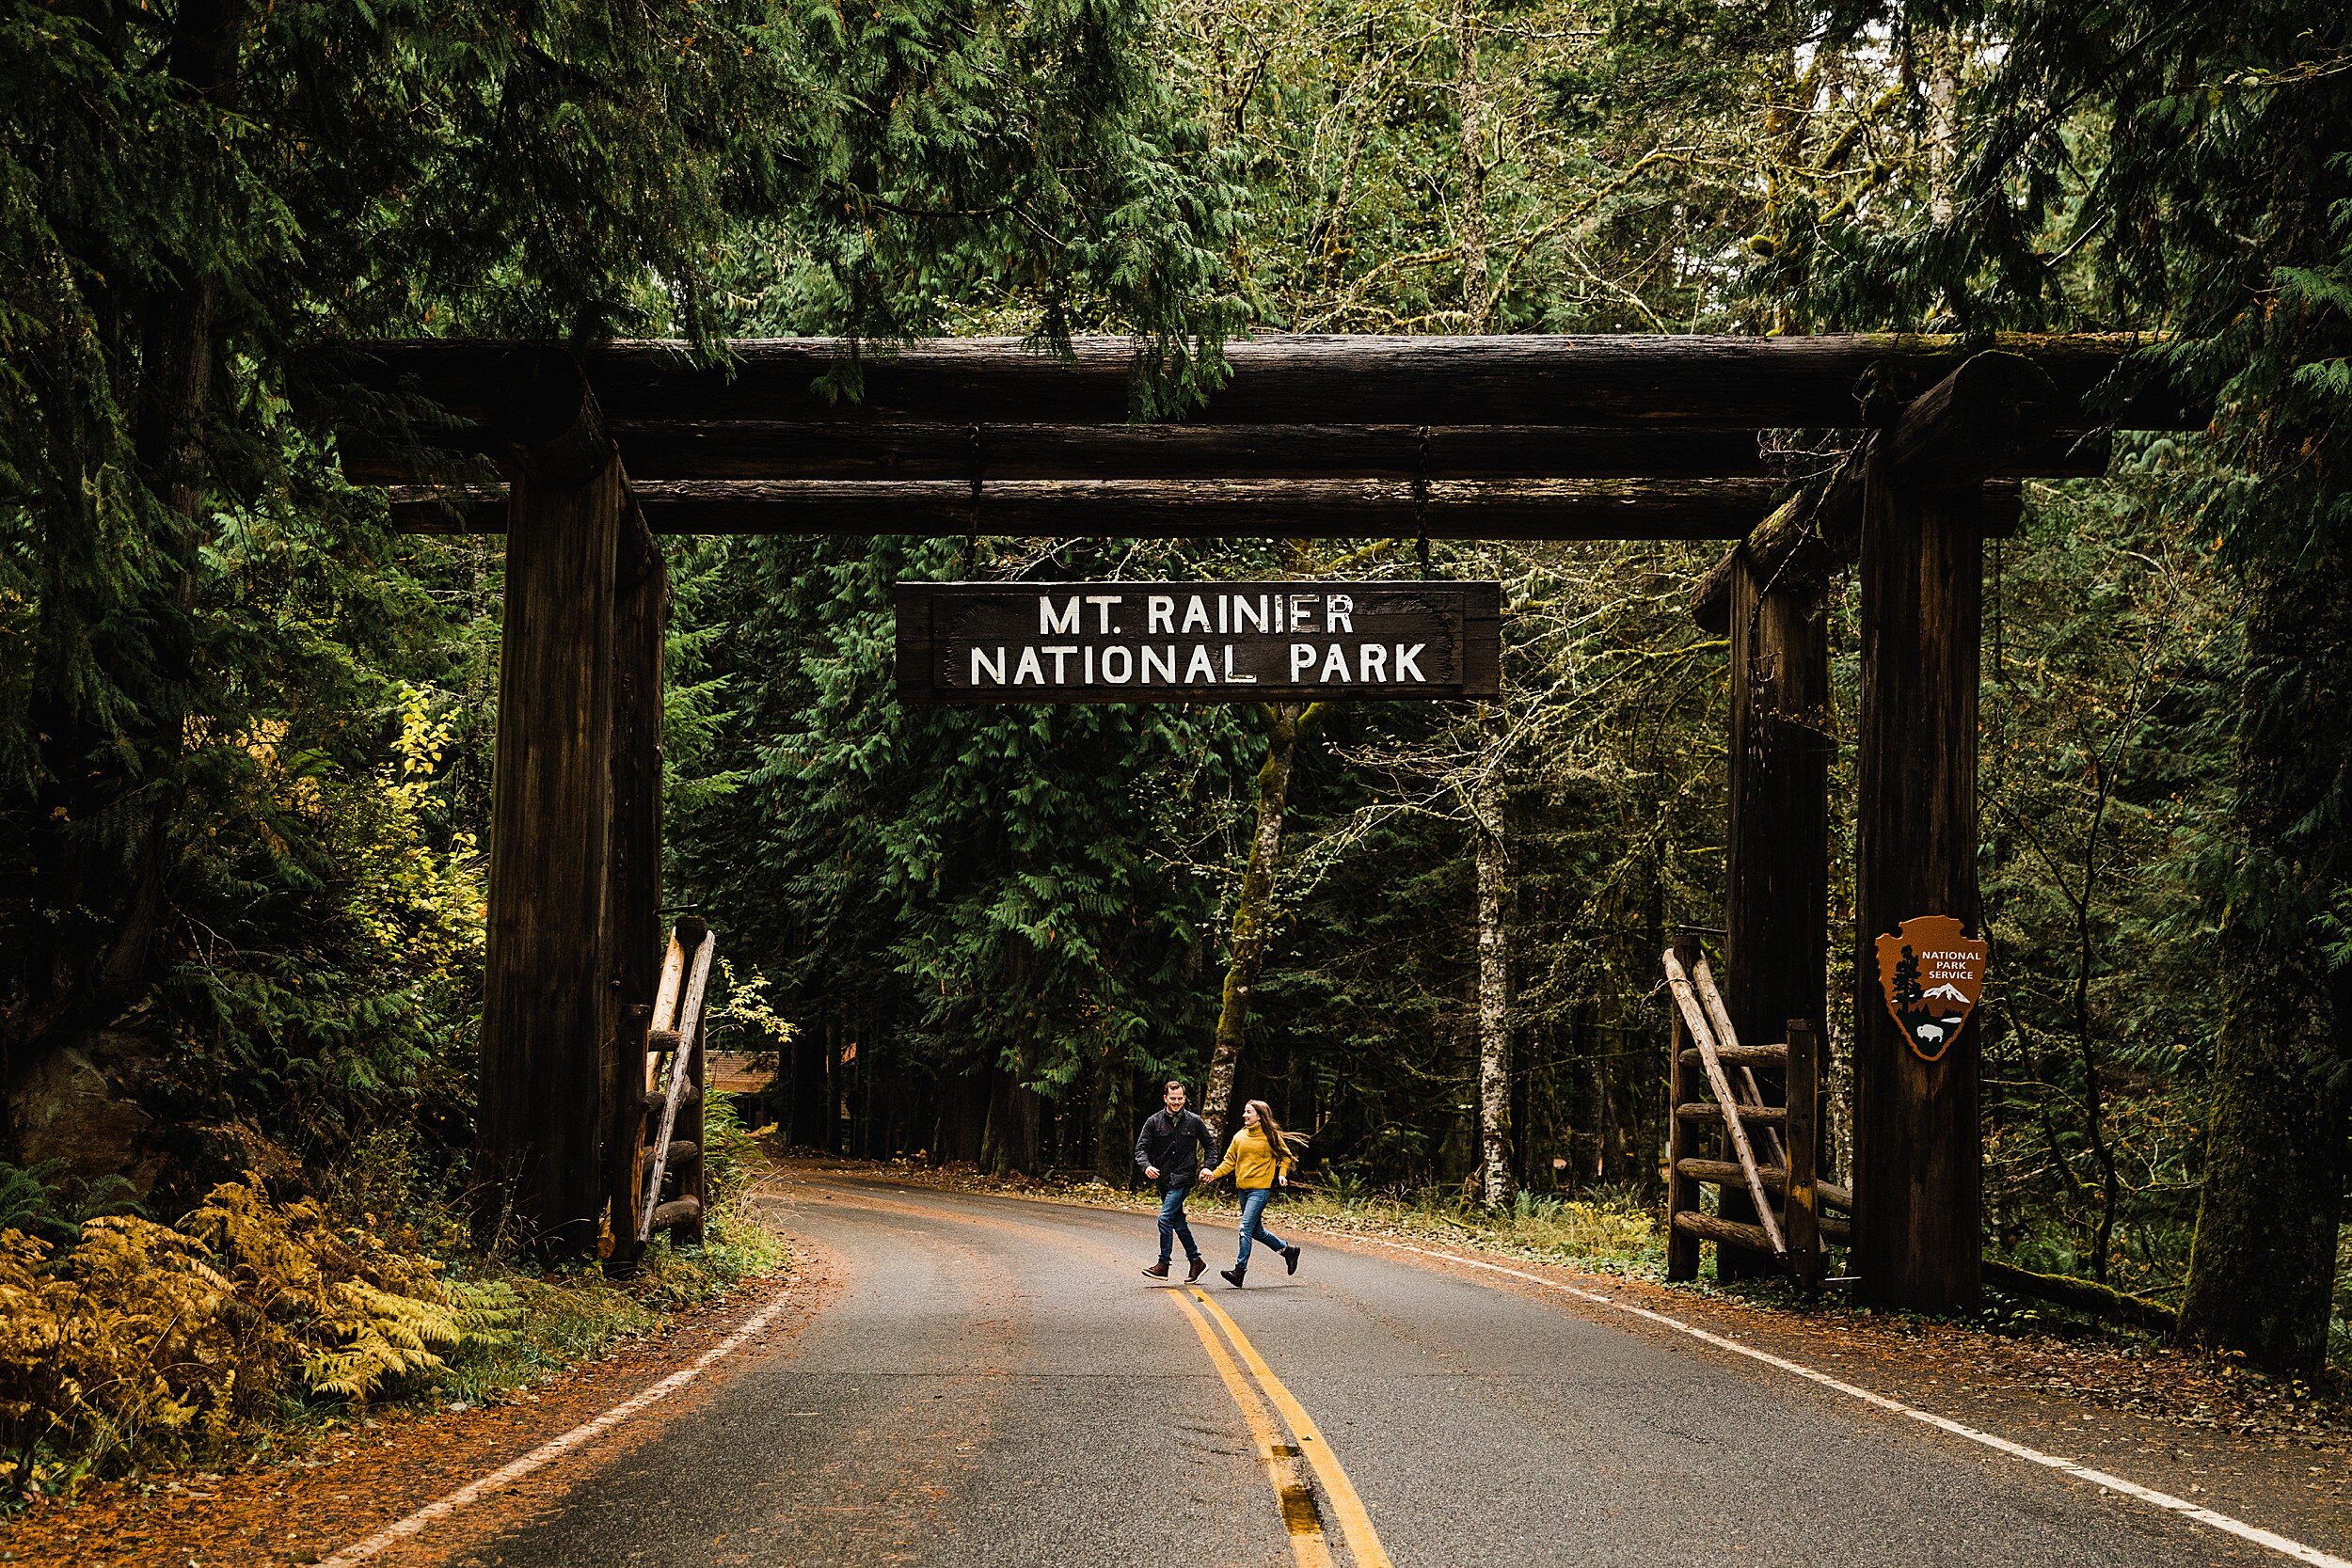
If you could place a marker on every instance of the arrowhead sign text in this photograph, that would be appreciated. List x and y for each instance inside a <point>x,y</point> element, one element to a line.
<point>1931,972</point>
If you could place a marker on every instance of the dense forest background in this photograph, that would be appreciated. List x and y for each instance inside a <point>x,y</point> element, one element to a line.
<point>247,730</point>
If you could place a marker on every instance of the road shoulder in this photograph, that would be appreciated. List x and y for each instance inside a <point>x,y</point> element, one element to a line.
<point>379,1467</point>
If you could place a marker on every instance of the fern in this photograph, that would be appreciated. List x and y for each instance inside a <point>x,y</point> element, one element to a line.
<point>148,1341</point>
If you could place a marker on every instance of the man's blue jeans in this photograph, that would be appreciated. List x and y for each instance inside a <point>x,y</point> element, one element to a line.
<point>1172,1223</point>
<point>1253,1204</point>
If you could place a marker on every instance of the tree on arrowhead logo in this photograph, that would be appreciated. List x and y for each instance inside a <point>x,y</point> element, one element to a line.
<point>1931,972</point>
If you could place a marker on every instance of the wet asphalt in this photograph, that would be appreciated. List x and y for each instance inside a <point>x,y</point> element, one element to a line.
<point>993,1385</point>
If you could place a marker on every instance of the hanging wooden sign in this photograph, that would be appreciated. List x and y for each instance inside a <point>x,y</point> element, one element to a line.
<point>1931,974</point>
<point>1197,641</point>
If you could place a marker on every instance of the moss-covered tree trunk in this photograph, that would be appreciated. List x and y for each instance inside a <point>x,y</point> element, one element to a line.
<point>1494,1016</point>
<point>1470,230</point>
<point>2262,1271</point>
<point>1253,911</point>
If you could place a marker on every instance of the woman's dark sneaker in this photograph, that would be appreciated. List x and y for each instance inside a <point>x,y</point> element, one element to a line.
<point>1290,1258</point>
<point>1232,1276</point>
<point>1159,1270</point>
<point>1197,1266</point>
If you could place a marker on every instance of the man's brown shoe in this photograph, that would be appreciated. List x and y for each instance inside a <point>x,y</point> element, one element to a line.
<point>1159,1270</point>
<point>1199,1267</point>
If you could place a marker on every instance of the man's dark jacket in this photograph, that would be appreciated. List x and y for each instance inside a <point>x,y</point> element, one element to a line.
<point>1177,1145</point>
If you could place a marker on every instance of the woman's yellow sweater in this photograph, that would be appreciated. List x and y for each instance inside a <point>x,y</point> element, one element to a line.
<point>1251,1161</point>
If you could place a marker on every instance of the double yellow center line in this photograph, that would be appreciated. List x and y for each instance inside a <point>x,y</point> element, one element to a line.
<point>1301,1516</point>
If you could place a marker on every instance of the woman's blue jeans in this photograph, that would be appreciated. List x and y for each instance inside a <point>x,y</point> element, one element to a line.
<point>1253,1204</point>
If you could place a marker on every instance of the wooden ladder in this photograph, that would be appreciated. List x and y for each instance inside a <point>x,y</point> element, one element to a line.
<point>1707,1053</point>
<point>674,1099</point>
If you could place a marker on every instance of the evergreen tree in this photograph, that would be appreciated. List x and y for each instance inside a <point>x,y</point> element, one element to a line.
<point>197,194</point>
<point>2186,169</point>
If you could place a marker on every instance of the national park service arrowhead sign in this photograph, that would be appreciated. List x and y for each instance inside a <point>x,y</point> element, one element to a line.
<point>1931,972</point>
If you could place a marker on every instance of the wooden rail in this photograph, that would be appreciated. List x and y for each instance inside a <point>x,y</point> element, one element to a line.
<point>1776,1180</point>
<point>1742,1056</point>
<point>1712,1110</point>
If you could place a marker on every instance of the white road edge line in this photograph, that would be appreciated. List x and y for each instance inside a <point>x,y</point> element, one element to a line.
<point>556,1447</point>
<point>2149,1494</point>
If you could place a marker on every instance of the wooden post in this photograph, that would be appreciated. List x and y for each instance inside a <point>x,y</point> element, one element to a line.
<point>548,1008</point>
<point>1917,1152</point>
<point>677,1021</point>
<point>1800,1206</point>
<point>634,898</point>
<point>689,1231</point>
<point>1776,898</point>
<point>1682,1191</point>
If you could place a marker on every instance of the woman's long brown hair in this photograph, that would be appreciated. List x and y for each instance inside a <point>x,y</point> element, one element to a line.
<point>1285,1146</point>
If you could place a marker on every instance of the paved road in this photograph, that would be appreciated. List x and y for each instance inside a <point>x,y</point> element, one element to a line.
<point>994,1386</point>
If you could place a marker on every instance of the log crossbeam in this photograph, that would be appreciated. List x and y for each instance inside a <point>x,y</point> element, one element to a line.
<point>1639,379</point>
<point>1196,508</point>
<point>1308,436</point>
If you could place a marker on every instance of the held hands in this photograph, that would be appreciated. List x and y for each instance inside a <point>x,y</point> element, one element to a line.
<point>1150,1173</point>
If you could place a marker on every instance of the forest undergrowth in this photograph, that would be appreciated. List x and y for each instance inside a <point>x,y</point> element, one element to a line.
<point>267,1317</point>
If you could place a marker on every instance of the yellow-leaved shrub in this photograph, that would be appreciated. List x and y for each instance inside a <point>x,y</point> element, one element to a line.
<point>152,1342</point>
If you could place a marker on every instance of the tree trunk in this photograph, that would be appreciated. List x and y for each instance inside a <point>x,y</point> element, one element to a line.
<point>1918,1144</point>
<point>2262,1270</point>
<point>1776,859</point>
<point>1113,1130</point>
<point>633,946</point>
<point>807,1123</point>
<point>178,358</point>
<point>1477,285</point>
<point>1253,912</point>
<point>97,941</point>
<point>1494,1019</point>
<point>835,1070</point>
<point>1010,1146</point>
<point>547,978</point>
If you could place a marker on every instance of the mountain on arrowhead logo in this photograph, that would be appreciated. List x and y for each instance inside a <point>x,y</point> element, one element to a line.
<point>1933,974</point>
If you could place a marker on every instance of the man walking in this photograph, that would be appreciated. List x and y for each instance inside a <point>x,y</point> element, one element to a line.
<point>1169,1150</point>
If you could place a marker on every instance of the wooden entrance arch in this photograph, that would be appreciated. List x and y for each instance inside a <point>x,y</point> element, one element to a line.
<point>583,460</point>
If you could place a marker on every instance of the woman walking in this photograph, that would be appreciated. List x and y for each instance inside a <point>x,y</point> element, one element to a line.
<point>1259,1160</point>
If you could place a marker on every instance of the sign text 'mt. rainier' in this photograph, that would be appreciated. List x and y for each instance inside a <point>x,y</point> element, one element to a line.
<point>1197,641</point>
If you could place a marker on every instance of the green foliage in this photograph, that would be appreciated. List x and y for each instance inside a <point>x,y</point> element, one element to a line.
<point>983,896</point>
<point>1606,1232</point>
<point>244,732</point>
<point>991,903</point>
<point>2104,756</point>
<point>732,1161</point>
<point>2016,164</point>
<point>49,1203</point>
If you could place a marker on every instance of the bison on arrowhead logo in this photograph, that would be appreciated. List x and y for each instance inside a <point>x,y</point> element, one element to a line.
<point>1931,974</point>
